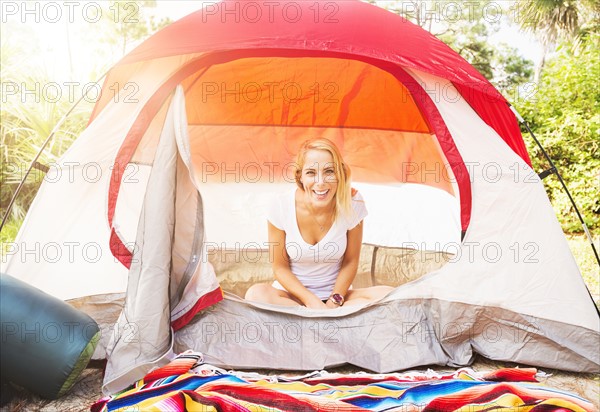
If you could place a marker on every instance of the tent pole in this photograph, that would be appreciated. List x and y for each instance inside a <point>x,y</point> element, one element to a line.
<point>554,170</point>
<point>34,162</point>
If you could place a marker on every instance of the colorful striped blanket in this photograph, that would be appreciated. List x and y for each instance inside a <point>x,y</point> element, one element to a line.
<point>188,384</point>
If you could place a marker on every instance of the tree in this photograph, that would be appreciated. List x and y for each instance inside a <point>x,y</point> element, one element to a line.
<point>552,21</point>
<point>466,28</point>
<point>471,40</point>
<point>126,23</point>
<point>565,116</point>
<point>549,19</point>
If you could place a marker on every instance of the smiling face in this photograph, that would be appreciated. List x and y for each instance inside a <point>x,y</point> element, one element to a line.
<point>323,176</point>
<point>319,178</point>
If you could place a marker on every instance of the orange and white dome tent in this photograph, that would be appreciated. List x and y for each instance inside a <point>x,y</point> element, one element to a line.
<point>194,132</point>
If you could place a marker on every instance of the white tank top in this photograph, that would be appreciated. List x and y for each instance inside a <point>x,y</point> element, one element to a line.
<point>316,266</point>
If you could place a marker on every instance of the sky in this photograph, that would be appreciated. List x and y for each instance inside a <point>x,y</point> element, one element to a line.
<point>46,26</point>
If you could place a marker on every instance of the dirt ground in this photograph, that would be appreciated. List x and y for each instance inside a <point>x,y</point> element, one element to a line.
<point>88,388</point>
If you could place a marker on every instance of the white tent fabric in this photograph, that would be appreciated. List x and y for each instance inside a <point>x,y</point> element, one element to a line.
<point>514,237</point>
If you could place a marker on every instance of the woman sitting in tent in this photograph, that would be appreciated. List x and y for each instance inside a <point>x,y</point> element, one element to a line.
<point>315,233</point>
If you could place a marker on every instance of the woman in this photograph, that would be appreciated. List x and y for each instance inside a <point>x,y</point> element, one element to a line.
<point>315,234</point>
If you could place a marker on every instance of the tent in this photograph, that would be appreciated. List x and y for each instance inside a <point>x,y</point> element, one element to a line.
<point>195,131</point>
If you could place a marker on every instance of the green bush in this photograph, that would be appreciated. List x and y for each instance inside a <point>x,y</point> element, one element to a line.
<point>564,115</point>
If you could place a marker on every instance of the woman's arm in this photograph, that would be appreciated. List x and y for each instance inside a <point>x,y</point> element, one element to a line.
<point>283,273</point>
<point>349,262</point>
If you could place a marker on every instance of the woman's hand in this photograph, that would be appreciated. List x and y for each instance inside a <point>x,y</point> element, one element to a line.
<point>331,305</point>
<point>315,303</point>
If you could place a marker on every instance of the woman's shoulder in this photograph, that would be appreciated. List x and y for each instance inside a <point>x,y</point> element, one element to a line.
<point>356,196</point>
<point>358,211</point>
<point>279,208</point>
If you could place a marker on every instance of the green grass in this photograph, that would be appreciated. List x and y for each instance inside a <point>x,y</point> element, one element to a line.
<point>584,255</point>
<point>9,232</point>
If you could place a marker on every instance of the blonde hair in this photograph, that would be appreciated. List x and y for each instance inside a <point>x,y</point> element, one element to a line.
<point>343,196</point>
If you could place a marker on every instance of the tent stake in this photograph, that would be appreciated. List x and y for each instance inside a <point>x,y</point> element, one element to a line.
<point>555,170</point>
